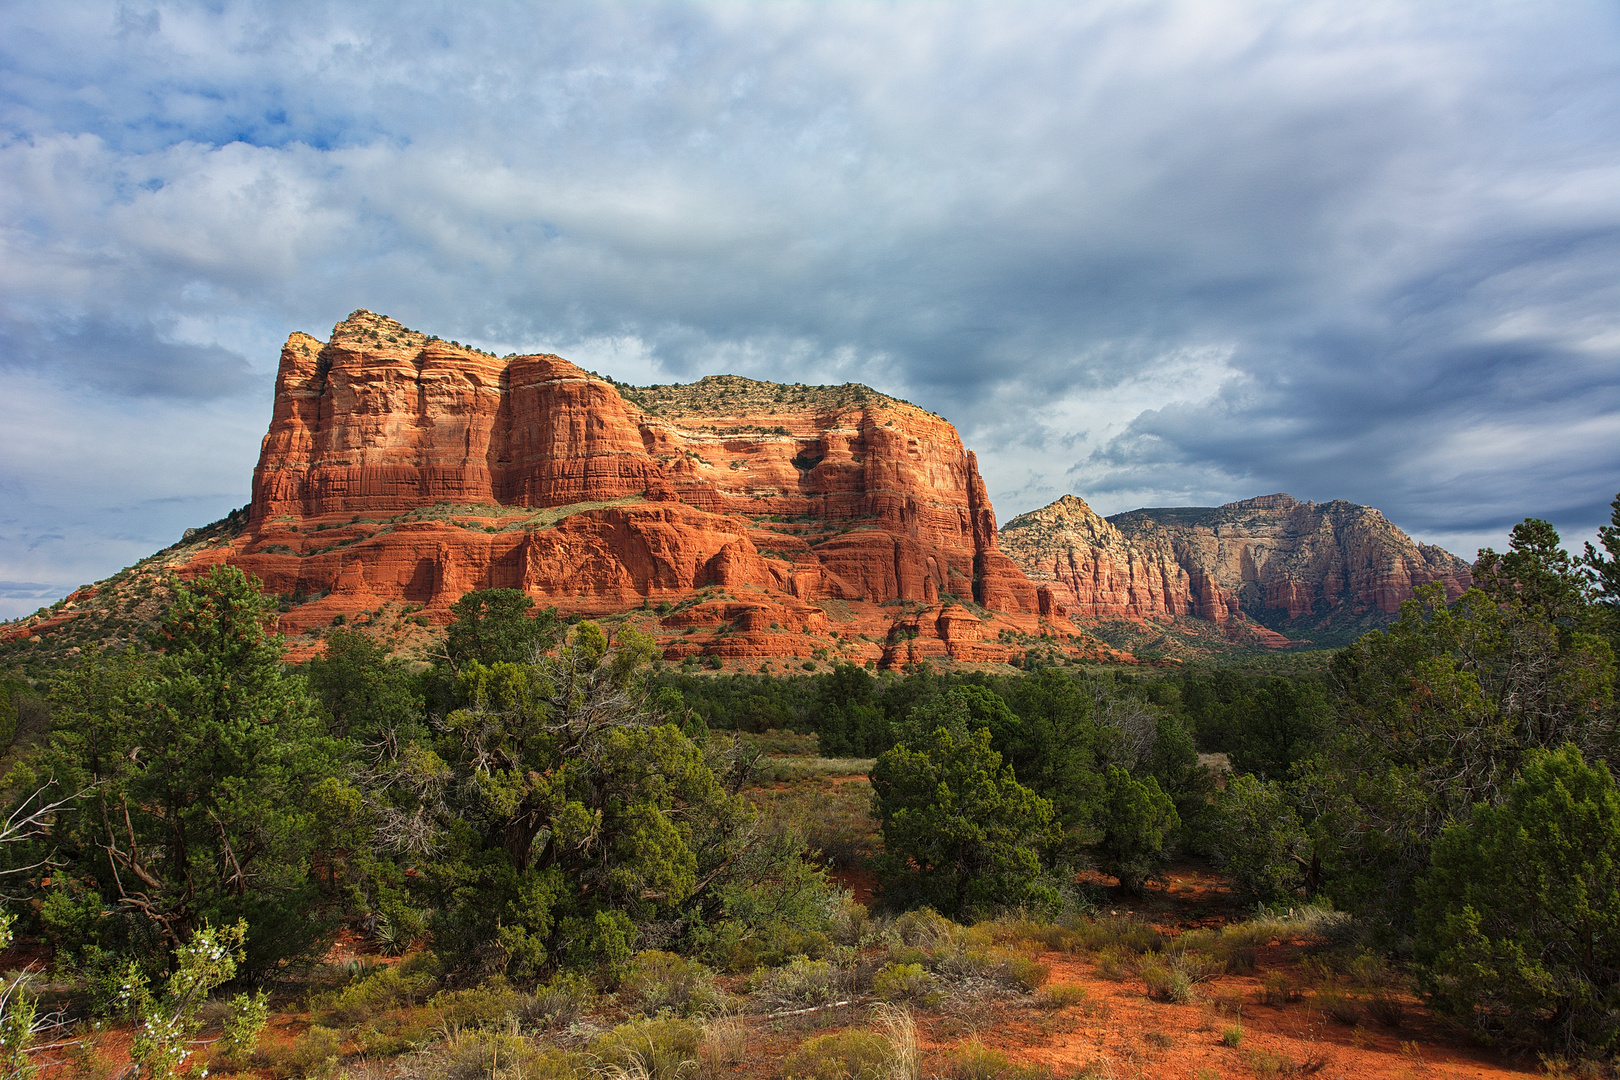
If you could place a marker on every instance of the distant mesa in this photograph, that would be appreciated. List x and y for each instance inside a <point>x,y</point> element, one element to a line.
<point>741,522</point>
<point>1270,569</point>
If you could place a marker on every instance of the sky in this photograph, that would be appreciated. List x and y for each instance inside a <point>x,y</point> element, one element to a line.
<point>1154,254</point>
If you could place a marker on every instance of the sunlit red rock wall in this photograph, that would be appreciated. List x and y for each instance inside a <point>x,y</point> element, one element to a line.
<point>404,469</point>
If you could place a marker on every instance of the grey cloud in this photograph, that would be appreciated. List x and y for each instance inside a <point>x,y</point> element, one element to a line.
<point>125,360</point>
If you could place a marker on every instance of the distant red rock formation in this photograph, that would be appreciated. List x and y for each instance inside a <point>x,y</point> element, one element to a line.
<point>768,520</point>
<point>1312,568</point>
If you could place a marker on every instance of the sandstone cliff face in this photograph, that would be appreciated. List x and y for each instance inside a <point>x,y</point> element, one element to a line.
<point>1262,566</point>
<point>1092,568</point>
<point>780,520</point>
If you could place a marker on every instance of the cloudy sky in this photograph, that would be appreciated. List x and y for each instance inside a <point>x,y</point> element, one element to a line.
<point>1154,254</point>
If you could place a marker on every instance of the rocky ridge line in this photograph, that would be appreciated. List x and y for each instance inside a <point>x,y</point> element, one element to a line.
<point>1270,569</point>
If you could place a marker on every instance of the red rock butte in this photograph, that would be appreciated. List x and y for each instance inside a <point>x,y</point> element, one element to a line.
<point>747,520</point>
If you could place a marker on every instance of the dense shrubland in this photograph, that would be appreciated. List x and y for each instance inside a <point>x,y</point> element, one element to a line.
<point>558,831</point>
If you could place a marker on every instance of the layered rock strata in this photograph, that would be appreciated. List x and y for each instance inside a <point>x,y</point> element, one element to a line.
<point>747,519</point>
<point>1265,566</point>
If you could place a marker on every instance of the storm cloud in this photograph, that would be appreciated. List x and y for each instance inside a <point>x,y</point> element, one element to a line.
<point>1154,254</point>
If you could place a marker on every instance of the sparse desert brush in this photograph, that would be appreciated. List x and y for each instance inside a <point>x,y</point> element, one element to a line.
<point>474,1055</point>
<point>885,1051</point>
<point>772,946</point>
<point>1025,972</point>
<point>660,982</point>
<point>1115,963</point>
<point>1267,1065</point>
<point>1064,996</point>
<point>1278,989</point>
<point>855,1054</point>
<point>406,983</point>
<point>800,984</point>
<point>1336,1005</point>
<point>1009,969</point>
<point>975,1061</point>
<point>1239,960</point>
<point>313,1054</point>
<point>1165,981</point>
<point>1372,971</point>
<point>927,929</point>
<point>1117,932</point>
<point>1022,931</point>
<point>1386,1009</point>
<point>907,954</point>
<point>905,983</point>
<point>1198,966</point>
<point>490,1002</point>
<point>900,1029</point>
<point>851,923</point>
<point>556,1004</point>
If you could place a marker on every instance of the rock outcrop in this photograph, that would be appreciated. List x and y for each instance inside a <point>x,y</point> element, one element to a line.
<point>747,520</point>
<point>1258,569</point>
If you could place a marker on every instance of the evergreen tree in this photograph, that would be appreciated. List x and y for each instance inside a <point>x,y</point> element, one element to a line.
<point>1519,929</point>
<point>1050,738</point>
<point>960,833</point>
<point>496,626</point>
<point>1139,825</point>
<point>1260,842</point>
<point>365,692</point>
<point>1435,714</point>
<point>1536,571</point>
<point>202,762</point>
<point>567,815</point>
<point>1602,570</point>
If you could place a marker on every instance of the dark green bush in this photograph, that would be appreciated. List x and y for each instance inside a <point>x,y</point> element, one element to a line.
<point>1139,824</point>
<point>960,833</point>
<point>1519,929</point>
<point>1258,839</point>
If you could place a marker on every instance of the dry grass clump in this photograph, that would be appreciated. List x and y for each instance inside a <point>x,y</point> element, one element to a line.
<point>723,1045</point>
<point>1064,996</point>
<point>662,1049</point>
<point>480,1055</point>
<point>1336,1005</point>
<point>557,1004</point>
<point>661,982</point>
<point>975,1061</point>
<point>855,1054</point>
<point>315,1053</point>
<point>1115,963</point>
<point>1278,989</point>
<point>1267,1065</point>
<point>887,1050</point>
<point>802,984</point>
<point>906,983</point>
